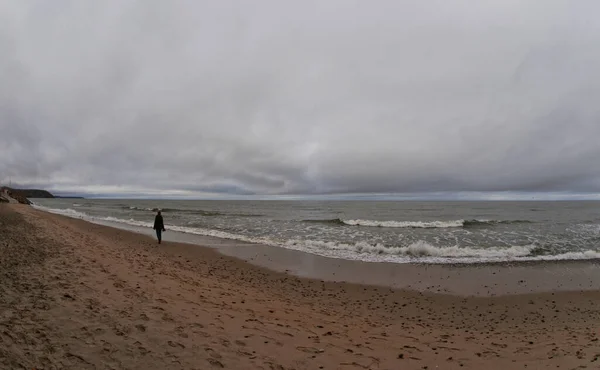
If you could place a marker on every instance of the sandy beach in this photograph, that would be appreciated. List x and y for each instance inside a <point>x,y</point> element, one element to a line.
<point>77,295</point>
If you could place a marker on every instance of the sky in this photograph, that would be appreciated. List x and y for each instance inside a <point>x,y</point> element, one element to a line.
<point>492,98</point>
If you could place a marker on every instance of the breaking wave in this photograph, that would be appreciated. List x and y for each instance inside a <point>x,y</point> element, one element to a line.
<point>406,224</point>
<point>476,223</point>
<point>423,252</point>
<point>416,224</point>
<point>417,252</point>
<point>132,208</point>
<point>333,221</point>
<point>200,212</point>
<point>422,249</point>
<point>174,210</point>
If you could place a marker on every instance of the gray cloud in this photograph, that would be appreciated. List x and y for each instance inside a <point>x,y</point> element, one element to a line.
<point>311,97</point>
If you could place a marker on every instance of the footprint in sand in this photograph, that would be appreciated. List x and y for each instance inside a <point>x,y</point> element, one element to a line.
<point>215,363</point>
<point>175,344</point>
<point>203,333</point>
<point>167,317</point>
<point>212,353</point>
<point>143,350</point>
<point>121,331</point>
<point>310,350</point>
<point>68,297</point>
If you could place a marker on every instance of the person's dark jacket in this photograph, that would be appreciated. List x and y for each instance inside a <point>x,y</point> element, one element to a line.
<point>158,223</point>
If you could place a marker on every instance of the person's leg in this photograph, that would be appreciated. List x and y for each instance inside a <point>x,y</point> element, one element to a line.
<point>158,235</point>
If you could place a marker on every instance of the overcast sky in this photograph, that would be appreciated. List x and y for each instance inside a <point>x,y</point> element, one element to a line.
<point>300,97</point>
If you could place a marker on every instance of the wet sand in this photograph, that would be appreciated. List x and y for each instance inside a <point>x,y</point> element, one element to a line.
<point>85,296</point>
<point>482,279</point>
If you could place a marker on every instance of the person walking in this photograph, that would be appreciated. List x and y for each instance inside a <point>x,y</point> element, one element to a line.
<point>159,226</point>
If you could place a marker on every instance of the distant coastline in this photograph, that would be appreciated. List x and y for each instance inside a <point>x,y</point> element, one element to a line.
<point>30,193</point>
<point>23,195</point>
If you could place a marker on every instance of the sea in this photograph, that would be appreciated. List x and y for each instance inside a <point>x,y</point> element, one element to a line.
<point>375,231</point>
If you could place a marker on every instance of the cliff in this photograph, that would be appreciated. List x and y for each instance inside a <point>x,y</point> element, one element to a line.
<point>33,193</point>
<point>22,195</point>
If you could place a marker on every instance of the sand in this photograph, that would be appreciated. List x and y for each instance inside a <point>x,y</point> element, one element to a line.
<point>76,295</point>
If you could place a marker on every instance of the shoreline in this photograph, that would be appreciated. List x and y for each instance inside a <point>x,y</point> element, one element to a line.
<point>79,295</point>
<point>462,279</point>
<point>421,258</point>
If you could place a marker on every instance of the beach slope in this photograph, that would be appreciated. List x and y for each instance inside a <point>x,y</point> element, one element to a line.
<point>76,295</point>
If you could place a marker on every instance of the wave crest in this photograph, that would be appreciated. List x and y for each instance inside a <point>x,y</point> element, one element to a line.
<point>406,224</point>
<point>333,221</point>
<point>417,252</point>
<point>416,224</point>
<point>200,212</point>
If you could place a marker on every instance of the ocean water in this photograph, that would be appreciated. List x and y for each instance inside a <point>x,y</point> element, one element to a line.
<point>391,231</point>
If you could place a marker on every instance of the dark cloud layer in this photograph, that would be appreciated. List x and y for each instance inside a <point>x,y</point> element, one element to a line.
<point>311,97</point>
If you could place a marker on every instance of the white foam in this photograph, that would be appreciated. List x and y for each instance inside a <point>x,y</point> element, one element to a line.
<point>65,212</point>
<point>423,252</point>
<point>133,208</point>
<point>419,251</point>
<point>585,255</point>
<point>421,248</point>
<point>406,224</point>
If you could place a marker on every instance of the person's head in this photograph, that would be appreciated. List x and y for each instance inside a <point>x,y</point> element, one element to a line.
<point>159,212</point>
